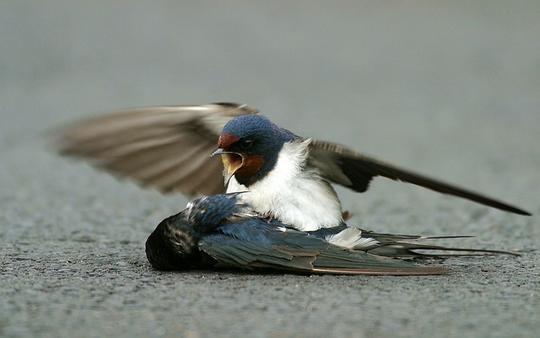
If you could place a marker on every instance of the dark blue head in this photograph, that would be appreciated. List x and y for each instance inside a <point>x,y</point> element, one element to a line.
<point>251,145</point>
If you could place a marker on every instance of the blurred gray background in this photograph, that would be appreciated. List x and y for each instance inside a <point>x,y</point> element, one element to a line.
<point>450,88</point>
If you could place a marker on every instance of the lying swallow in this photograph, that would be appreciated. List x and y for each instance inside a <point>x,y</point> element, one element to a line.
<point>221,231</point>
<point>288,177</point>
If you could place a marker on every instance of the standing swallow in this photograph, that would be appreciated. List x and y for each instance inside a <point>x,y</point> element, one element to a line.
<point>222,231</point>
<point>287,177</point>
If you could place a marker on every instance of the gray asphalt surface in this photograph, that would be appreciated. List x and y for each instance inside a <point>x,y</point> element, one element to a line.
<point>448,88</point>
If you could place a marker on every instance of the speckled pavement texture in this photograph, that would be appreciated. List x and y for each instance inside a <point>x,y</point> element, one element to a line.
<point>447,88</point>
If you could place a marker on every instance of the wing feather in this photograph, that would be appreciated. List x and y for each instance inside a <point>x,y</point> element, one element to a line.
<point>163,147</point>
<point>351,169</point>
<point>300,253</point>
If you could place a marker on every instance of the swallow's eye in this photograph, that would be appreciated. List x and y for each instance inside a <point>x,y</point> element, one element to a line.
<point>245,144</point>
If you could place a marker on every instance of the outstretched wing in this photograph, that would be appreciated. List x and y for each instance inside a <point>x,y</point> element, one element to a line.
<point>164,147</point>
<point>353,170</point>
<point>256,245</point>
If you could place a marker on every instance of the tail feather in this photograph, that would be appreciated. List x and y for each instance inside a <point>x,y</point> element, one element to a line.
<point>445,237</point>
<point>383,237</point>
<point>405,249</point>
<point>414,246</point>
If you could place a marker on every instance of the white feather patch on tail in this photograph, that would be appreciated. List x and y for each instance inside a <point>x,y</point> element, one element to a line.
<point>351,238</point>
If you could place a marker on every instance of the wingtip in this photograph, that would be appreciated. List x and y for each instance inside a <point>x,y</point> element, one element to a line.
<point>385,271</point>
<point>504,206</point>
<point>519,211</point>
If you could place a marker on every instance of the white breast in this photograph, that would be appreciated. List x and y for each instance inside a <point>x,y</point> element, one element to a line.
<point>292,194</point>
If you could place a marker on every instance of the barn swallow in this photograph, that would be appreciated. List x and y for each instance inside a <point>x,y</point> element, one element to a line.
<point>287,177</point>
<point>221,231</point>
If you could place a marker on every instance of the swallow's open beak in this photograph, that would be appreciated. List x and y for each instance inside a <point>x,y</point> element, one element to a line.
<point>218,151</point>
<point>232,161</point>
